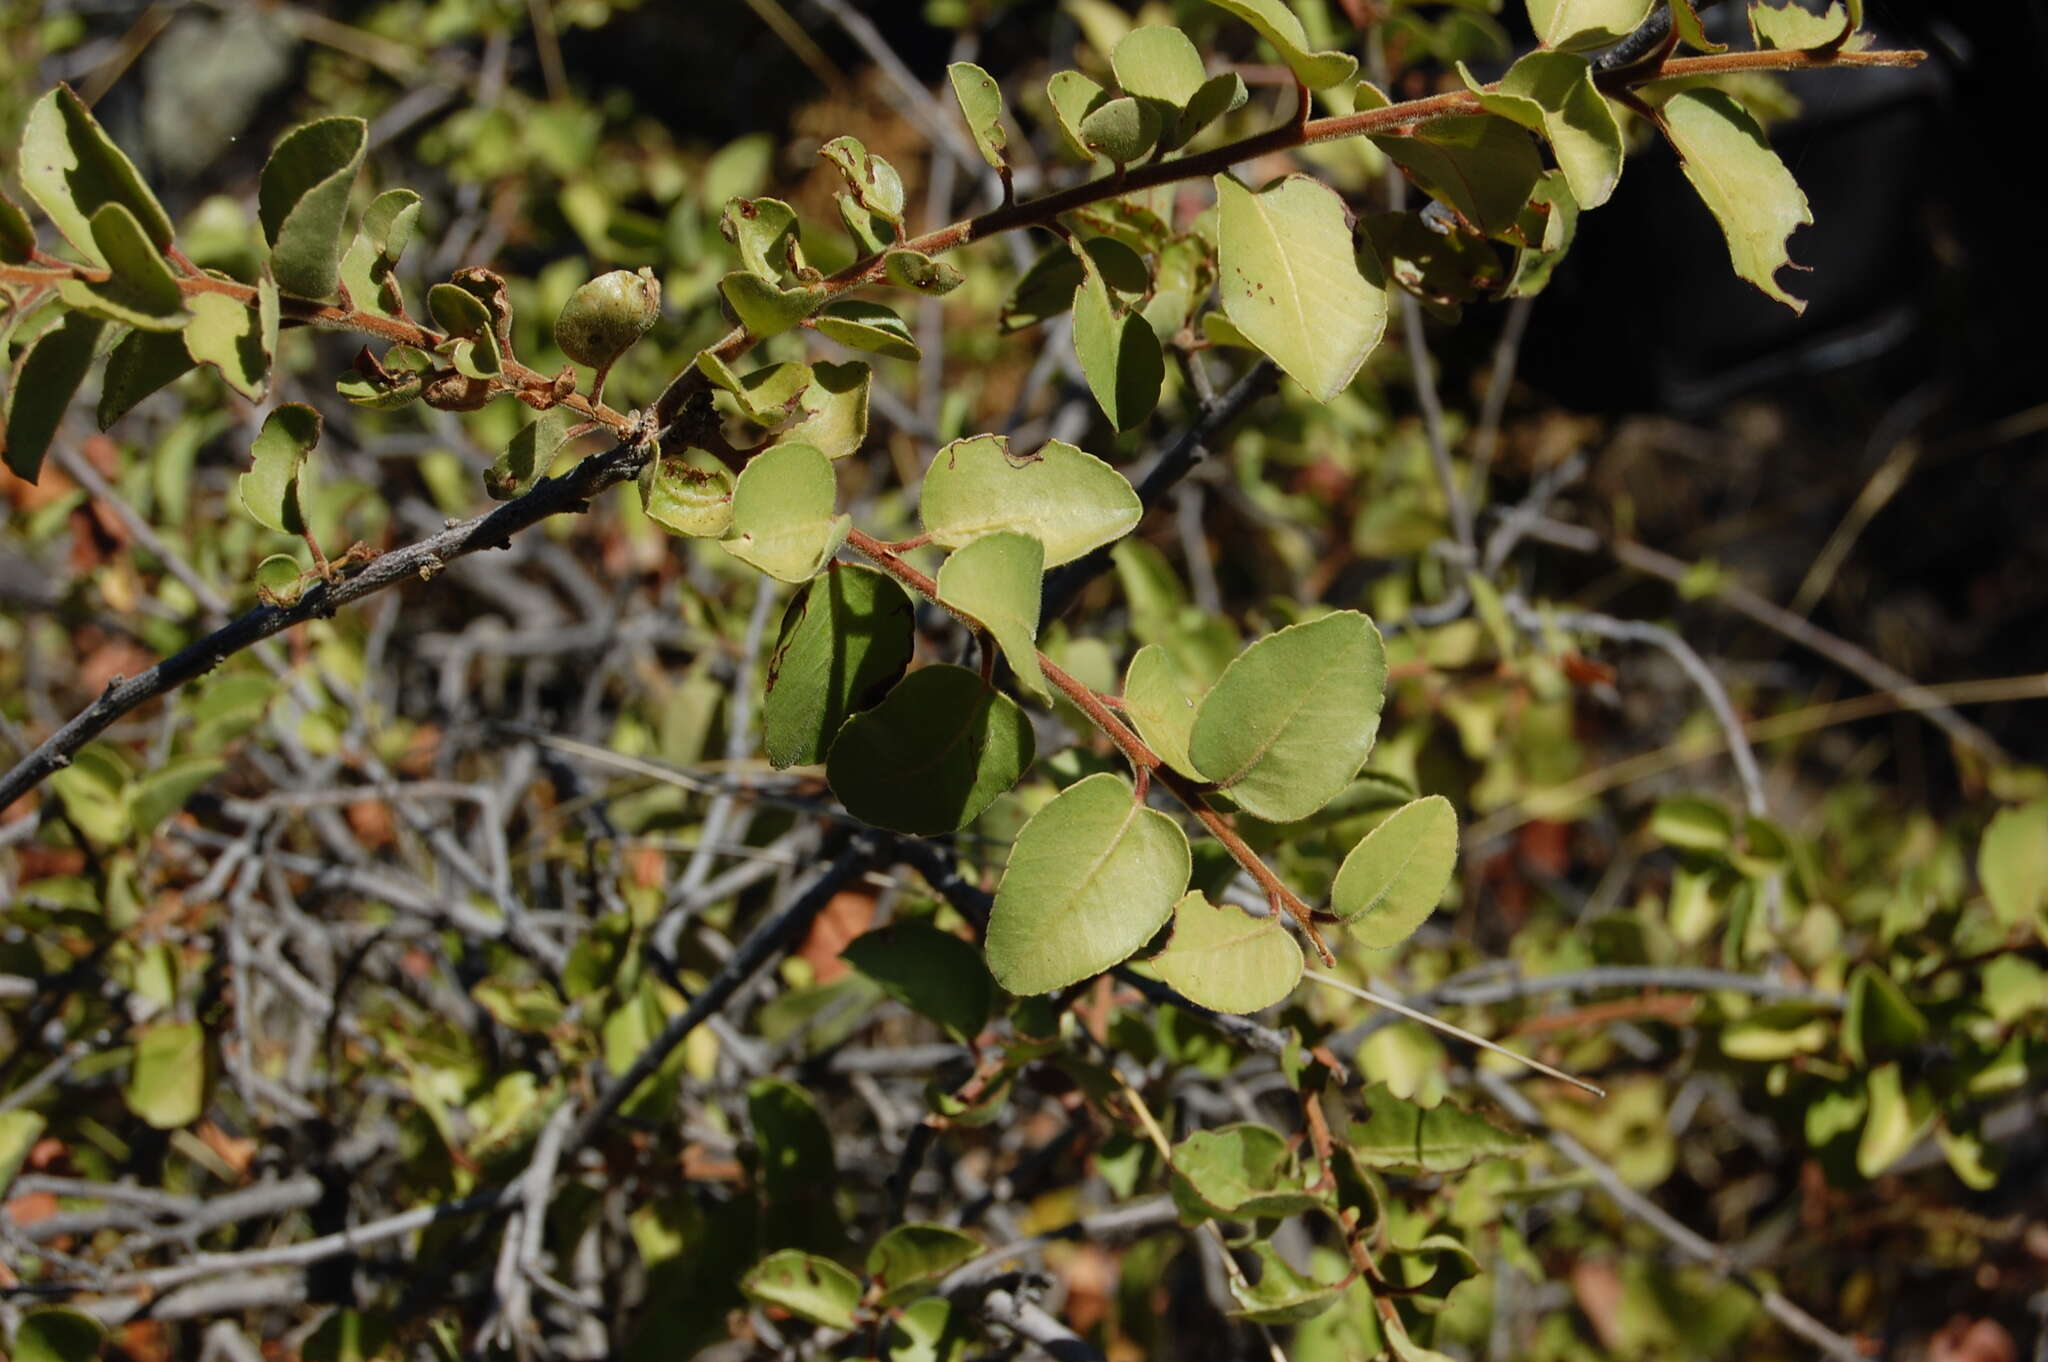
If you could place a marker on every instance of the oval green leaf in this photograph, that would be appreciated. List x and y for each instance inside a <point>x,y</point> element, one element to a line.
<point>811,1288</point>
<point>43,388</point>
<point>302,200</point>
<point>1119,354</point>
<point>782,513</point>
<point>1278,25</point>
<point>167,1076</point>
<point>936,752</point>
<point>911,1257</point>
<point>1092,876</point>
<point>270,490</point>
<point>1067,499</point>
<point>1578,24</point>
<point>1393,879</point>
<point>981,104</point>
<point>846,639</point>
<point>867,326</point>
<point>998,580</point>
<point>1227,960</point>
<point>1157,702</point>
<point>1293,717</point>
<point>72,169</point>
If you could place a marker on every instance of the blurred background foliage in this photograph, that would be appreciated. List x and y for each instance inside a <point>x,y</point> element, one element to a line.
<point>1869,1138</point>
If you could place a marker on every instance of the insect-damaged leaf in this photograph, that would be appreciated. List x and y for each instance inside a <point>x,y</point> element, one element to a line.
<point>270,490</point>
<point>846,638</point>
<point>1224,958</point>
<point>302,201</point>
<point>1291,282</point>
<point>1552,93</point>
<point>932,755</point>
<point>1067,499</point>
<point>981,104</point>
<point>239,341</point>
<point>1092,876</point>
<point>1751,194</point>
<point>1293,717</point>
<point>814,1289</point>
<point>911,1257</point>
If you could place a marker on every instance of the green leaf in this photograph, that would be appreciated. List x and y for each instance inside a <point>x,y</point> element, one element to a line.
<point>20,1129</point>
<point>835,409</point>
<point>1218,96</point>
<point>403,378</point>
<point>1392,881</point>
<point>762,230</point>
<point>2012,863</point>
<point>167,1076</point>
<point>1789,28</point>
<point>1440,1139</point>
<point>1685,21</point>
<point>458,311</point>
<point>932,755</point>
<point>687,495</point>
<point>933,973</point>
<point>1071,96</point>
<point>794,1171</point>
<point>1535,261</point>
<point>279,579</point>
<point>1293,717</point>
<point>919,272</point>
<point>1741,180</point>
<point>1278,25</point>
<point>236,339</point>
<point>1118,351</point>
<point>1693,823</point>
<point>1239,1171</point>
<point>846,638</point>
<point>767,395</point>
<point>1282,1295</point>
<point>1121,129</point>
<point>1879,1020</point>
<point>783,521</point>
<point>1575,25</point>
<point>1161,64</point>
<point>532,450</point>
<point>1481,167</point>
<point>140,289</point>
<point>302,201</point>
<point>1291,282</point>
<point>367,267</point>
<point>873,180</point>
<point>867,326</point>
<point>998,580</point>
<point>2012,987</point>
<point>1552,93</point>
<point>766,309</point>
<point>1158,703</point>
<point>1091,877</point>
<point>1047,287</point>
<point>72,169</point>
<point>1227,960</point>
<point>1899,1119</point>
<point>44,386</point>
<point>911,1257</point>
<point>981,105</point>
<point>142,363</point>
<point>156,796</point>
<point>56,1335</point>
<point>1067,499</point>
<point>17,233</point>
<point>814,1289</point>
<point>925,1331</point>
<point>270,490</point>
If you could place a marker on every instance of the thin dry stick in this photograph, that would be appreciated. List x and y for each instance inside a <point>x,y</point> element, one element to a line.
<point>1439,1024</point>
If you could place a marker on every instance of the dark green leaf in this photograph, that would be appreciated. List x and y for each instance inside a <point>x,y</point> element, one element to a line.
<point>909,1258</point>
<point>303,203</point>
<point>44,386</point>
<point>933,973</point>
<point>867,326</point>
<point>846,639</point>
<point>142,363</point>
<point>932,755</point>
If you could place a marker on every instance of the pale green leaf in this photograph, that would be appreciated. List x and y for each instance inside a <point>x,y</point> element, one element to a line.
<point>236,339</point>
<point>932,755</point>
<point>72,169</point>
<point>783,518</point>
<point>167,1074</point>
<point>846,638</point>
<point>764,308</point>
<point>1119,353</point>
<point>867,326</point>
<point>1392,881</point>
<point>44,386</point>
<point>1293,718</point>
<point>1790,28</point>
<point>1091,877</point>
<point>997,580</point>
<point>140,290</point>
<point>1899,1119</point>
<point>1071,96</point>
<point>920,273</point>
<point>1159,63</point>
<point>981,105</point>
<point>2012,863</point>
<point>1278,25</point>
<point>1748,189</point>
<point>689,495</point>
<point>1240,1171</point>
<point>160,793</point>
<point>909,1258</point>
<point>1291,284</point>
<point>1481,167</point>
<point>19,1131</point>
<point>1440,1139</point>
<point>302,202</point>
<point>1282,1295</point>
<point>811,1288</point>
<point>762,230</point>
<point>1159,703</point>
<point>458,311</point>
<point>1227,960</point>
<point>1693,823</point>
<point>270,490</point>
<point>1575,25</point>
<point>872,179</point>
<point>1067,499</point>
<point>1121,129</point>
<point>1552,93</point>
<point>834,409</point>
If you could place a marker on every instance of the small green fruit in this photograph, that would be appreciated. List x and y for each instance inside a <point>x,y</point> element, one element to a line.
<point>603,319</point>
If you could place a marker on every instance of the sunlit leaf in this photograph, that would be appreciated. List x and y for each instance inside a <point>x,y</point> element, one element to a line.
<point>1067,499</point>
<point>1391,882</point>
<point>1224,958</point>
<point>302,202</point>
<point>997,580</point>
<point>784,520</point>
<point>270,490</point>
<point>1750,192</point>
